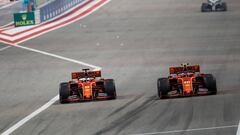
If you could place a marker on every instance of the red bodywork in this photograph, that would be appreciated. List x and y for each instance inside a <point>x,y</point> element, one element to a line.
<point>85,86</point>
<point>186,81</point>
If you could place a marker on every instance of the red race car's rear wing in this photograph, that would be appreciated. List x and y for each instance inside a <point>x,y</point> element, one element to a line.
<point>177,70</point>
<point>89,74</point>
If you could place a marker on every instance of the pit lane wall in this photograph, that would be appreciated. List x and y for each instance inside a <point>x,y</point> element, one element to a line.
<point>54,8</point>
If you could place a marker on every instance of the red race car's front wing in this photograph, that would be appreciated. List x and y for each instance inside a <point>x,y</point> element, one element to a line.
<point>77,99</point>
<point>199,93</point>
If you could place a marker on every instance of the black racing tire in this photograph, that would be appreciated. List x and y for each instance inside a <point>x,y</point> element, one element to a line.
<point>110,89</point>
<point>221,7</point>
<point>163,87</point>
<point>64,92</point>
<point>206,7</point>
<point>210,83</point>
<point>224,6</point>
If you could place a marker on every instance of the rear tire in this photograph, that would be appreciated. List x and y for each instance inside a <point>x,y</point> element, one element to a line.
<point>224,6</point>
<point>163,87</point>
<point>110,89</point>
<point>221,7</point>
<point>210,83</point>
<point>206,7</point>
<point>64,92</point>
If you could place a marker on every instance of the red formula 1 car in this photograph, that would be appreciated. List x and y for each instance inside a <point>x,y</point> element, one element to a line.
<point>85,86</point>
<point>186,81</point>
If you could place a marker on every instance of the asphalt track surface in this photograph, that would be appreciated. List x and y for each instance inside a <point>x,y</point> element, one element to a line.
<point>134,42</point>
<point>6,14</point>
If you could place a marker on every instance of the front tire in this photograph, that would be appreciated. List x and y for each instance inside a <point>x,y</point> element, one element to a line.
<point>221,7</point>
<point>224,6</point>
<point>163,87</point>
<point>64,92</point>
<point>210,83</point>
<point>110,89</point>
<point>206,7</point>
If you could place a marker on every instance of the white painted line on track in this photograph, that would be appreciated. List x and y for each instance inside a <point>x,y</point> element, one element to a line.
<point>30,116</point>
<point>53,100</point>
<point>8,5</point>
<point>238,130</point>
<point>6,25</point>
<point>55,56</point>
<point>4,48</point>
<point>187,130</point>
